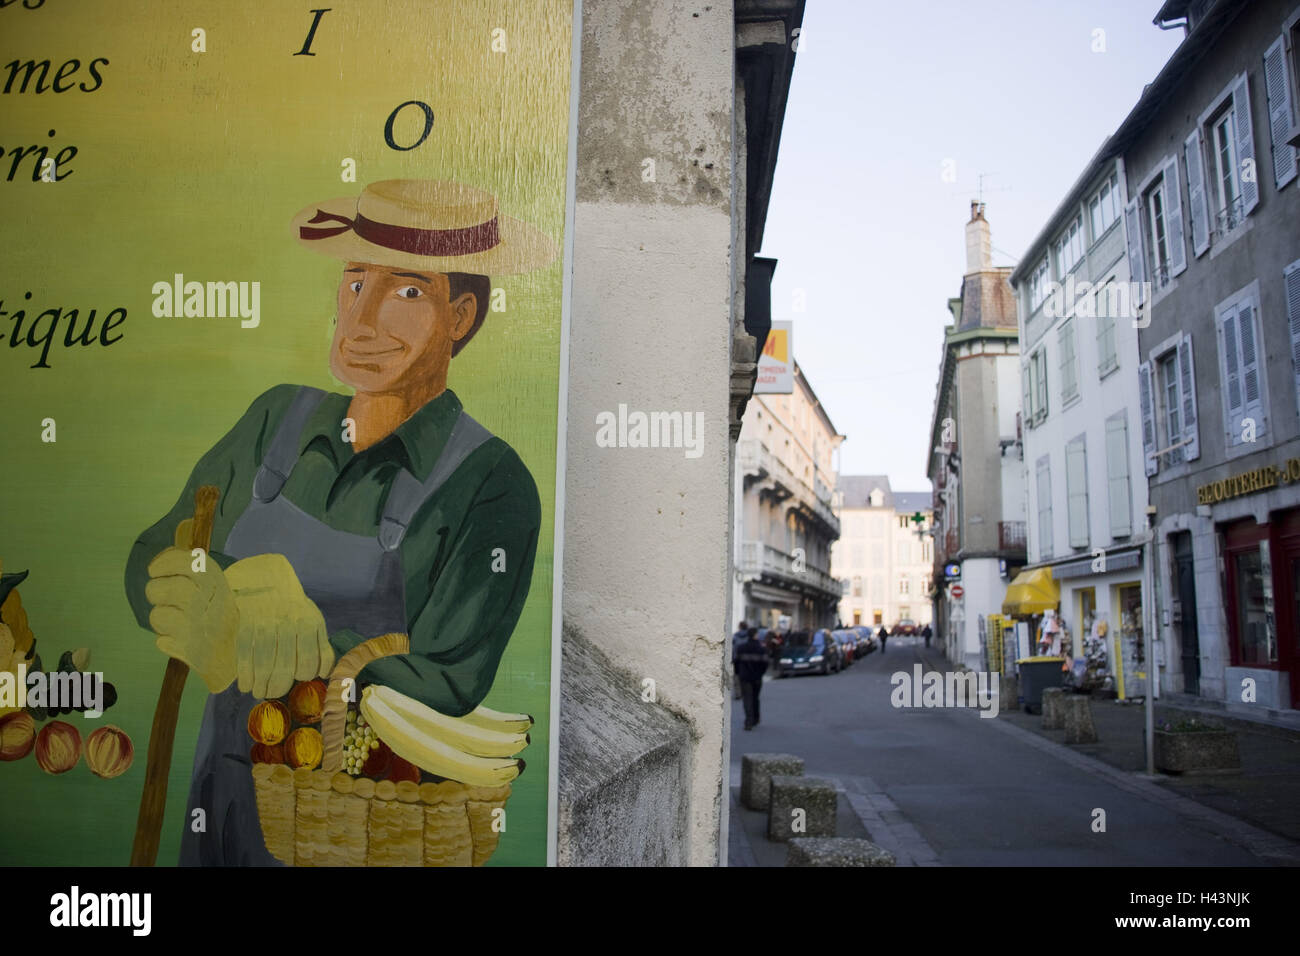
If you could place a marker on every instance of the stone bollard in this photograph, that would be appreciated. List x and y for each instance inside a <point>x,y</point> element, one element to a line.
<point>836,851</point>
<point>801,806</point>
<point>1053,713</point>
<point>1009,688</point>
<point>756,773</point>
<point>1079,728</point>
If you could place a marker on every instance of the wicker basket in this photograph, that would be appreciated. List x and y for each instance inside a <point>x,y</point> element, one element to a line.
<point>327,817</point>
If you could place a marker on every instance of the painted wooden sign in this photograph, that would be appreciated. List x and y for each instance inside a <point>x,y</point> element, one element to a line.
<point>280,356</point>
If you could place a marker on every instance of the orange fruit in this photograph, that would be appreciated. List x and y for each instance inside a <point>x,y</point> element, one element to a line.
<point>304,748</point>
<point>307,701</point>
<point>269,722</point>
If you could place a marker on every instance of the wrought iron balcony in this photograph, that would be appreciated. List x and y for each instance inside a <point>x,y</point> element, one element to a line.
<point>1011,536</point>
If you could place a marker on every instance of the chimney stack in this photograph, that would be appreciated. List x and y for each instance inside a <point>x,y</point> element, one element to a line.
<point>979,244</point>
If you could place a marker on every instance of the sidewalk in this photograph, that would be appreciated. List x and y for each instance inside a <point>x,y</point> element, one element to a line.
<point>1266,793</point>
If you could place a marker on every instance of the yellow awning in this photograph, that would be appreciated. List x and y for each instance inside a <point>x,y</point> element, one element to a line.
<point>1031,592</point>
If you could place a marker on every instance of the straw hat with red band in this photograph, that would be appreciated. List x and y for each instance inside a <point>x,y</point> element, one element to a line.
<point>424,224</point>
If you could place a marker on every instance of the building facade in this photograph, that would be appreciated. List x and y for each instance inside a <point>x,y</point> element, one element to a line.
<point>883,565</point>
<point>975,464</point>
<point>1085,484</point>
<point>787,513</point>
<point>1213,225</point>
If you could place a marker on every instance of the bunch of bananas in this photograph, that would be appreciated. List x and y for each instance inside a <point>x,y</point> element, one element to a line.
<point>477,749</point>
<point>17,644</point>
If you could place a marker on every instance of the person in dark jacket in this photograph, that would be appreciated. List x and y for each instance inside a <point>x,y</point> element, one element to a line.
<point>884,636</point>
<point>741,635</point>
<point>751,663</point>
<point>926,632</point>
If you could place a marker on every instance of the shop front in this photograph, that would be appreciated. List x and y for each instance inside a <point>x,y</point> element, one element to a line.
<point>1101,615</point>
<point>1262,602</point>
<point>1029,611</point>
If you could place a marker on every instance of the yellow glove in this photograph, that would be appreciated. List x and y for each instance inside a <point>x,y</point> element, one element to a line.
<point>194,613</point>
<point>282,635</point>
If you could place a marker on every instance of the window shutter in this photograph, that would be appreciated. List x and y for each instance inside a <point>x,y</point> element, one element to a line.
<point>1174,219</point>
<point>1228,348</point>
<point>1044,509</point>
<point>1196,192</point>
<point>1147,401</point>
<point>1187,391</point>
<point>1117,484</point>
<point>1065,342</point>
<point>1137,264</point>
<point>1292,282</point>
<point>1252,399</point>
<point>1245,143</point>
<point>1076,489</point>
<point>1041,355</point>
<point>1105,338</point>
<point>1027,409</point>
<point>1278,86</point>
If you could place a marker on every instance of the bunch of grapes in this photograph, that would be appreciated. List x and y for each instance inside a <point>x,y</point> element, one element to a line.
<point>358,742</point>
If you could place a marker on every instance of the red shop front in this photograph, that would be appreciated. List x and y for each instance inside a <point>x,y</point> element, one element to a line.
<point>1262,572</point>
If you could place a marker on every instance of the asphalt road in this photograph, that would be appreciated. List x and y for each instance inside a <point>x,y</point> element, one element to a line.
<point>943,786</point>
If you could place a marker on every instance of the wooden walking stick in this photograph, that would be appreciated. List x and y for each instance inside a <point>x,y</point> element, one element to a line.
<point>153,801</point>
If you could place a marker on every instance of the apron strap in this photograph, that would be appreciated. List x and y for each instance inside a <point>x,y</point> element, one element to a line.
<point>408,494</point>
<point>282,455</point>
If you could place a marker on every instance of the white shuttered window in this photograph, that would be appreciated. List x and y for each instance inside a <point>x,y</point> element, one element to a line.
<point>1147,400</point>
<point>1076,490</point>
<point>1069,363</point>
<point>1044,475</point>
<point>1241,370</point>
<point>1118,491</point>
<point>1277,83</point>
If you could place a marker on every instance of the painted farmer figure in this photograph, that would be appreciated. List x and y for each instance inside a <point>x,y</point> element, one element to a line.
<point>343,517</point>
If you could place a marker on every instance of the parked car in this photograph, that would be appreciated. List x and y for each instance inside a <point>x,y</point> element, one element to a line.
<point>867,636</point>
<point>905,626</point>
<point>856,645</point>
<point>847,644</point>
<point>803,653</point>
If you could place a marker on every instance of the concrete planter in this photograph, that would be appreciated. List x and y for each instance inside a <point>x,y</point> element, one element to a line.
<point>1191,751</point>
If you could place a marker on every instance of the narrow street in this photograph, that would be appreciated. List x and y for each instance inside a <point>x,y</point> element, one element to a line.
<point>945,787</point>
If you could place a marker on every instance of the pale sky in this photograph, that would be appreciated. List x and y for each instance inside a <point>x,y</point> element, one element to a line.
<point>861,218</point>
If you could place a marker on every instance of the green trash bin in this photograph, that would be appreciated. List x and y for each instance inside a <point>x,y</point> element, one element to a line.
<point>1036,675</point>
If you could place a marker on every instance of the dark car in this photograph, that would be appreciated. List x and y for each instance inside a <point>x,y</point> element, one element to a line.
<point>862,635</point>
<point>906,626</point>
<point>867,638</point>
<point>849,645</point>
<point>818,653</point>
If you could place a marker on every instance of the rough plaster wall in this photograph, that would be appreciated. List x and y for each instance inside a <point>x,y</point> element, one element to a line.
<point>617,811</point>
<point>980,462</point>
<point>646,529</point>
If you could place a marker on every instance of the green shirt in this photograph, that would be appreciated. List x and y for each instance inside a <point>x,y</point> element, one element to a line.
<point>460,611</point>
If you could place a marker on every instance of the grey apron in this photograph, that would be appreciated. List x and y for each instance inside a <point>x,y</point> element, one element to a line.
<point>357,582</point>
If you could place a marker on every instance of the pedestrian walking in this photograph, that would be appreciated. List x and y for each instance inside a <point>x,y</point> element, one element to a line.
<point>737,639</point>
<point>884,636</point>
<point>751,663</point>
<point>926,632</point>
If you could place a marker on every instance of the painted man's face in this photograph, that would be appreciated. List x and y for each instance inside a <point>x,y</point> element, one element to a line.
<point>395,327</point>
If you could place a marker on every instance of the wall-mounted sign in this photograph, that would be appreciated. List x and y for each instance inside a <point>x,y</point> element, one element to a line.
<point>952,571</point>
<point>1249,482</point>
<point>776,364</point>
<point>282,310</point>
